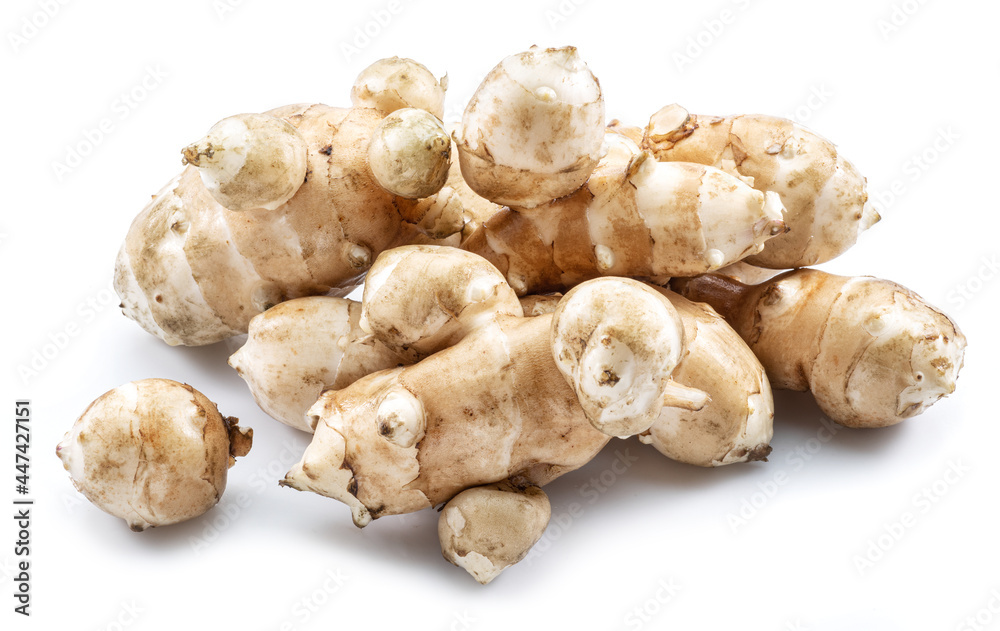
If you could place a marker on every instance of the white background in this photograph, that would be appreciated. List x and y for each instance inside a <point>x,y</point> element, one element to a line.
<point>912,105</point>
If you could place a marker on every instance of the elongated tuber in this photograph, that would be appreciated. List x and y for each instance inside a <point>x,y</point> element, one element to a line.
<point>872,352</point>
<point>298,348</point>
<point>635,217</point>
<point>281,205</point>
<point>825,197</point>
<point>385,444</point>
<point>153,452</point>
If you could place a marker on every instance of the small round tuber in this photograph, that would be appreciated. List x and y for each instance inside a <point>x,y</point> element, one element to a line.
<point>410,153</point>
<point>486,529</point>
<point>153,452</point>
<point>250,161</point>
<point>394,83</point>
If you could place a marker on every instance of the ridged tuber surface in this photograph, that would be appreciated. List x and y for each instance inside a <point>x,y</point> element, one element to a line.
<point>153,452</point>
<point>872,352</point>
<point>532,131</point>
<point>496,398</point>
<point>634,217</point>
<point>192,272</point>
<point>736,424</point>
<point>418,300</point>
<point>486,529</point>
<point>825,197</point>
<point>298,348</point>
<point>386,444</point>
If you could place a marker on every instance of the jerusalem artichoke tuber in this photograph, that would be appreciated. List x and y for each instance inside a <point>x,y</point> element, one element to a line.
<point>385,444</point>
<point>825,198</point>
<point>532,131</point>
<point>872,352</point>
<point>153,452</point>
<point>634,217</point>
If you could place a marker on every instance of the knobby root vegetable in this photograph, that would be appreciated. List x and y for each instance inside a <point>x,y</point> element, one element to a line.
<point>420,299</point>
<point>410,153</point>
<point>394,83</point>
<point>532,131</point>
<point>250,161</point>
<point>872,352</point>
<point>635,217</point>
<point>153,452</point>
<point>298,348</point>
<point>486,529</point>
<point>291,208</point>
<point>453,209</point>
<point>825,197</point>
<point>736,423</point>
<point>192,272</point>
<point>496,398</point>
<point>617,350</point>
<point>386,444</point>
<point>301,347</point>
